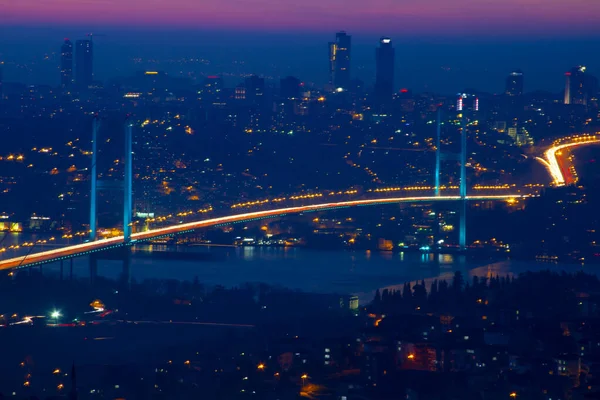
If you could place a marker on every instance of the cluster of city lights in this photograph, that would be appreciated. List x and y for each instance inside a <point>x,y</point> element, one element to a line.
<point>412,188</point>
<point>190,212</point>
<point>493,187</point>
<point>12,157</point>
<point>76,234</point>
<point>181,214</point>
<point>306,196</point>
<point>295,197</point>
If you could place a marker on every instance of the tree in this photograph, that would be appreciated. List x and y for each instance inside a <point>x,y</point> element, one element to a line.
<point>457,281</point>
<point>385,296</point>
<point>443,289</point>
<point>377,298</point>
<point>433,289</point>
<point>420,294</point>
<point>407,292</point>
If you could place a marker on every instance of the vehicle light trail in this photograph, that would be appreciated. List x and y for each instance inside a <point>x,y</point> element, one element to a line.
<point>551,162</point>
<point>116,242</point>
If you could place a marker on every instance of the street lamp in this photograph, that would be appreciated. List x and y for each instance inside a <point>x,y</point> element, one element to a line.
<point>55,315</point>
<point>304,378</point>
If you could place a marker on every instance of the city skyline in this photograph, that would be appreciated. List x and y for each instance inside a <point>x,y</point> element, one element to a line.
<point>441,66</point>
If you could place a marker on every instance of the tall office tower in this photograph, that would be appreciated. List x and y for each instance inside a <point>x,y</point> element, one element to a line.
<point>580,86</point>
<point>339,60</point>
<point>514,83</point>
<point>255,89</point>
<point>84,63</point>
<point>66,64</point>
<point>384,76</point>
<point>289,87</point>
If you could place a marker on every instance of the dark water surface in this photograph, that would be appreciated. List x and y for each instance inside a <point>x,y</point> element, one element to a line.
<point>339,271</point>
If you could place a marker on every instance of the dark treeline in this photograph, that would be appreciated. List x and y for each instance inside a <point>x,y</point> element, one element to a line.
<point>544,294</point>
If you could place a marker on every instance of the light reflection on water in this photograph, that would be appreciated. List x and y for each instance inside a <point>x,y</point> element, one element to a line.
<point>356,272</point>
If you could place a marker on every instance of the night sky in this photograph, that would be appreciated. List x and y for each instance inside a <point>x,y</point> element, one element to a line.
<point>485,17</point>
<point>441,44</point>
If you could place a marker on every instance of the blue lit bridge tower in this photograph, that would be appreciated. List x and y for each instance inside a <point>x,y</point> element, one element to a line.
<point>461,157</point>
<point>126,186</point>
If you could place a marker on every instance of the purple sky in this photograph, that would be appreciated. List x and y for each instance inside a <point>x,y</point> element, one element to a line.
<point>416,17</point>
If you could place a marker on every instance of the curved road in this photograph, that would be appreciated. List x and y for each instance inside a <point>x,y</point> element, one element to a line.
<point>551,162</point>
<point>115,242</point>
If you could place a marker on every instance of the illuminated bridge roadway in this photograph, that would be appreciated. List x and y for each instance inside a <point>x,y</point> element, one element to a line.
<point>116,242</point>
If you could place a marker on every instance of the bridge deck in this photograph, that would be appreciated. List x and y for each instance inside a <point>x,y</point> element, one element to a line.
<point>115,242</point>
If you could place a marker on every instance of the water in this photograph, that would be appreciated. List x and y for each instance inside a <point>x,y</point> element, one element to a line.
<point>349,272</point>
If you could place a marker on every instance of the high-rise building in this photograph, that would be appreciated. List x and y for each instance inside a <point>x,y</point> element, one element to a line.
<point>84,63</point>
<point>384,76</point>
<point>339,60</point>
<point>580,86</point>
<point>66,64</point>
<point>290,87</point>
<point>514,83</point>
<point>212,90</point>
<point>255,89</point>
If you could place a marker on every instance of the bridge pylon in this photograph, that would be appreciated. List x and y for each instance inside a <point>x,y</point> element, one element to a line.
<point>462,158</point>
<point>462,235</point>
<point>127,186</point>
<point>128,182</point>
<point>94,179</point>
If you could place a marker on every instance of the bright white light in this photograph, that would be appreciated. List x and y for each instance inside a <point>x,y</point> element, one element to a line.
<point>55,314</point>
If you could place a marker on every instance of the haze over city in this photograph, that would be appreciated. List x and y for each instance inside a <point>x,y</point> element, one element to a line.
<point>442,45</point>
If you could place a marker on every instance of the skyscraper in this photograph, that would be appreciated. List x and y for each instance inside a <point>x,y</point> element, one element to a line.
<point>255,89</point>
<point>384,76</point>
<point>66,64</point>
<point>290,87</point>
<point>339,60</point>
<point>514,83</point>
<point>84,64</point>
<point>580,86</point>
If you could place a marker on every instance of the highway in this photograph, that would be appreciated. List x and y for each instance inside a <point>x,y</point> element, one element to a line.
<point>115,242</point>
<point>551,161</point>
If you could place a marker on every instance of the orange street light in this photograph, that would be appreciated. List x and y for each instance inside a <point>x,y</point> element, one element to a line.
<point>304,378</point>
